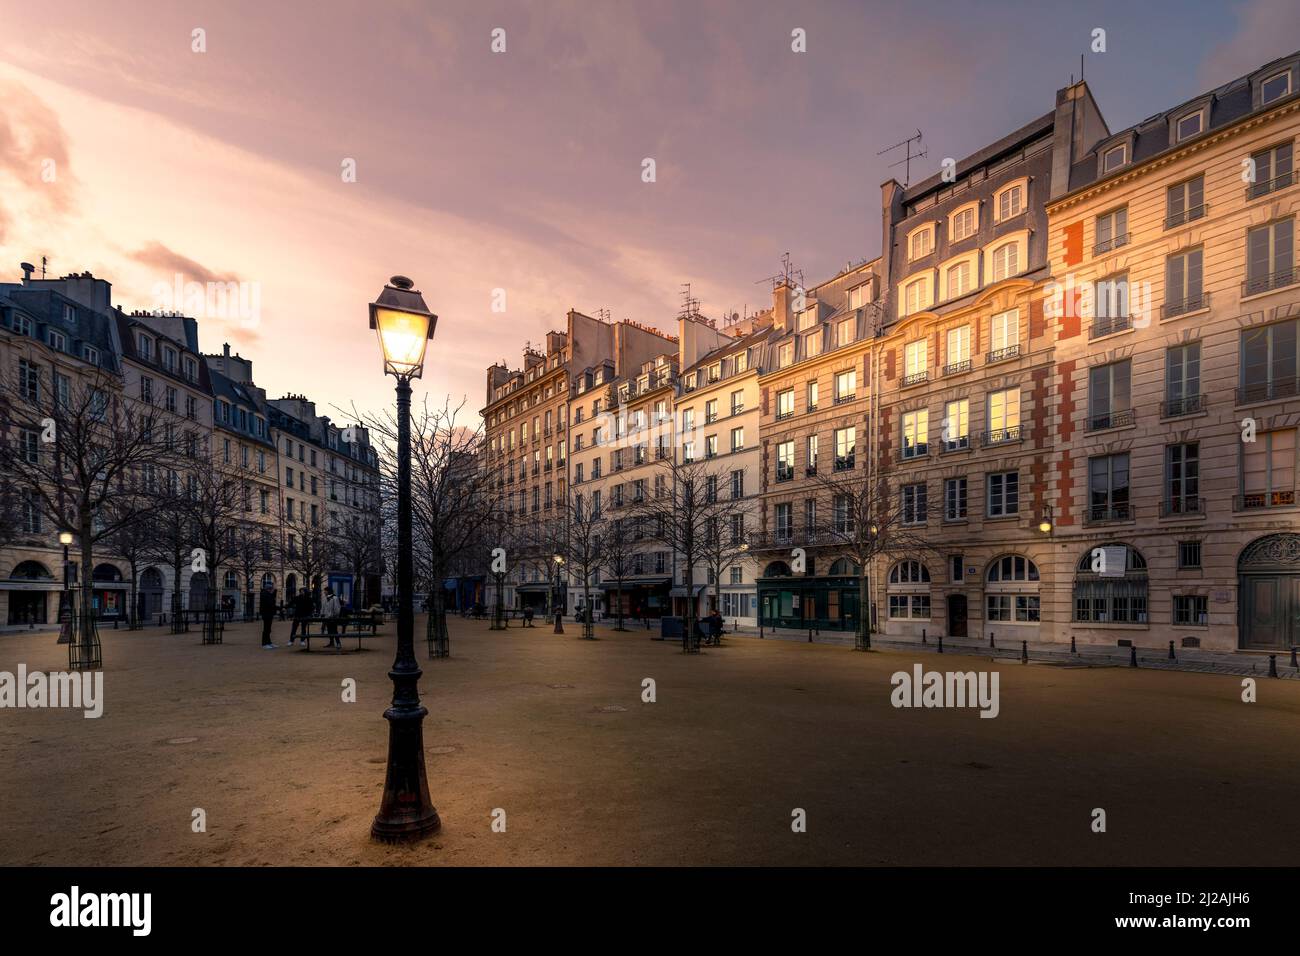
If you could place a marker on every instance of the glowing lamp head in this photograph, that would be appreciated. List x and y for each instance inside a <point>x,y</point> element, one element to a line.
<point>405,325</point>
<point>65,538</point>
<point>1045,526</point>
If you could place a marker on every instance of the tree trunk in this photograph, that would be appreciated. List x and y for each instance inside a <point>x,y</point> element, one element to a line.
<point>863,642</point>
<point>618,596</point>
<point>588,624</point>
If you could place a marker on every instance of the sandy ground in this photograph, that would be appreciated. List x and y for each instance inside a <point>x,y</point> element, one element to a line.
<point>552,730</point>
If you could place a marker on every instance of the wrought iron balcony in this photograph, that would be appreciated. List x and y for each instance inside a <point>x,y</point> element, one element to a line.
<point>1108,514</point>
<point>1116,419</point>
<point>1255,190</point>
<point>954,444</point>
<point>1000,436</point>
<point>784,472</point>
<point>844,462</point>
<point>1001,355</point>
<point>1188,405</point>
<point>1267,283</point>
<point>846,397</point>
<point>916,378</point>
<point>1188,215</point>
<point>1263,499</point>
<point>1268,391</point>
<point>1192,303</point>
<point>1106,325</point>
<point>1106,245</point>
<point>1183,505</point>
<point>782,416</point>
<point>956,368</point>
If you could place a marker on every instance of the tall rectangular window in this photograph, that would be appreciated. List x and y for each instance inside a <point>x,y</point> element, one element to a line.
<point>1183,289</point>
<point>1270,256</point>
<point>1109,396</point>
<point>846,385</point>
<point>1004,338</point>
<point>1183,379</point>
<point>784,403</point>
<point>956,425</point>
<point>1269,361</point>
<point>958,350</point>
<point>954,499</point>
<point>785,461</point>
<point>812,396</point>
<point>1273,170</point>
<point>1004,416</point>
<point>1184,202</point>
<point>812,454</point>
<point>845,448</point>
<point>1112,230</point>
<point>916,430</point>
<point>1268,470</point>
<point>784,521</point>
<point>915,362</point>
<point>1108,488</point>
<point>1182,478</point>
<point>1003,494</point>
<point>913,504</point>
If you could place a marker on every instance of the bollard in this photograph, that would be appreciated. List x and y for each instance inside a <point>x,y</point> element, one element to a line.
<point>1171,651</point>
<point>991,644</point>
<point>1272,665</point>
<point>1073,649</point>
<point>1024,652</point>
<point>559,623</point>
<point>922,635</point>
<point>809,633</point>
<point>940,643</point>
<point>1293,660</point>
<point>1132,655</point>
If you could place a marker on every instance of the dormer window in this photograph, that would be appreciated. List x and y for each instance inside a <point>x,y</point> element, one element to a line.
<point>920,242</point>
<point>964,222</point>
<point>91,354</point>
<point>1189,126</point>
<point>1114,158</point>
<point>146,346</point>
<point>69,313</point>
<point>807,318</point>
<point>1275,87</point>
<point>1010,200</point>
<point>860,295</point>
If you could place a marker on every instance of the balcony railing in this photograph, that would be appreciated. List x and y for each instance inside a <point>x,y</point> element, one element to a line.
<point>784,472</point>
<point>954,444</point>
<point>1106,245</point>
<point>1188,215</point>
<point>1109,324</point>
<point>919,450</point>
<point>1192,303</point>
<point>844,462</point>
<point>1000,436</point>
<point>1185,505</point>
<point>1108,514</point>
<point>956,368</point>
<point>782,416</point>
<point>846,397</point>
<point>1263,499</point>
<point>1001,355</point>
<point>1116,419</point>
<point>1266,283</point>
<point>1188,405</point>
<point>916,378</point>
<point>810,471</point>
<point>1255,190</point>
<point>1268,391</point>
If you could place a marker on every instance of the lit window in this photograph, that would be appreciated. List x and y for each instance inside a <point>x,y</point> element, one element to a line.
<point>963,224</point>
<point>1011,202</point>
<point>1006,261</point>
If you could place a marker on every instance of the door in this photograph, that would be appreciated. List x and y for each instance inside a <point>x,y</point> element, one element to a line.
<point>1267,609</point>
<point>956,615</point>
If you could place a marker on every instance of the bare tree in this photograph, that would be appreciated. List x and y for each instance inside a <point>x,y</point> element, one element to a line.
<point>725,541</point>
<point>131,542</point>
<point>584,551</point>
<point>308,548</point>
<point>215,504</point>
<point>868,519</point>
<point>252,552</point>
<point>616,560</point>
<point>85,455</point>
<point>358,543</point>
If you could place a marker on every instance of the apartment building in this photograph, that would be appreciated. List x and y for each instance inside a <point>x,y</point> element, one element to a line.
<point>812,370</point>
<point>1173,248</point>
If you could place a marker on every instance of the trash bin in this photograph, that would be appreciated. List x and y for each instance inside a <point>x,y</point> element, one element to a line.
<point>671,627</point>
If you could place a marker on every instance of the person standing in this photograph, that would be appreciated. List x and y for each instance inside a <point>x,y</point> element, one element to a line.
<point>266,608</point>
<point>301,612</point>
<point>329,609</point>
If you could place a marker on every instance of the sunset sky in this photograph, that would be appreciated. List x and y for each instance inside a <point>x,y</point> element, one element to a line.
<point>522,170</point>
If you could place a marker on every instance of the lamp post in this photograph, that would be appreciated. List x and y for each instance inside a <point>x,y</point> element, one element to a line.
<point>559,609</point>
<point>65,598</point>
<point>406,813</point>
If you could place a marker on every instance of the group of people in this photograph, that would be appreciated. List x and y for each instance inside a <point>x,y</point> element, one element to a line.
<point>330,611</point>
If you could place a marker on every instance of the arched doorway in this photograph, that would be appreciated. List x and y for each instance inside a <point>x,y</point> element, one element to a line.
<point>28,595</point>
<point>1268,577</point>
<point>110,593</point>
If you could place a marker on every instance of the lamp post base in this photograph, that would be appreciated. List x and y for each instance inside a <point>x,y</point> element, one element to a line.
<point>406,813</point>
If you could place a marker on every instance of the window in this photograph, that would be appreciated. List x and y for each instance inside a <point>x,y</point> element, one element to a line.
<point>812,345</point>
<point>909,572</point>
<point>1112,230</point>
<point>1011,201</point>
<point>1272,169</point>
<point>921,242</point>
<point>860,295</point>
<point>1268,362</point>
<point>913,504</point>
<point>1012,568</point>
<point>812,396</point>
<point>963,223</point>
<point>29,380</point>
<point>806,319</point>
<point>785,461</point>
<point>810,515</point>
<point>843,514</point>
<point>737,484</point>
<point>958,350</point>
<point>1110,586</point>
<point>844,332</point>
<point>784,403</point>
<point>846,386</point>
<point>1108,498</point>
<point>1268,470</point>
<point>916,429</point>
<point>1191,610</point>
<point>1189,126</point>
<point>954,499</point>
<point>1110,306</point>
<point>710,411</point>
<point>845,448</point>
<point>909,606</point>
<point>737,439</point>
<point>1109,395</point>
<point>1185,202</point>
<point>1011,586</point>
<point>711,446</point>
<point>1189,554</point>
<point>58,341</point>
<point>915,364</point>
<point>1004,338</point>
<point>785,355</point>
<point>1004,416</point>
<point>958,279</point>
<point>1275,87</point>
<point>1114,158</point>
<point>1182,478</point>
<point>784,521</point>
<point>1270,257</point>
<point>909,584</point>
<point>1183,292</point>
<point>812,454</point>
<point>916,295</point>
<point>956,568</point>
<point>1183,380</point>
<point>1003,494</point>
<point>737,404</point>
<point>1006,261</point>
<point>956,425</point>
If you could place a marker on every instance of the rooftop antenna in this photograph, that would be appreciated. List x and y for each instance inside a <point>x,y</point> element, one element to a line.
<point>690,305</point>
<point>906,161</point>
<point>786,275</point>
<point>44,260</point>
<point>603,315</point>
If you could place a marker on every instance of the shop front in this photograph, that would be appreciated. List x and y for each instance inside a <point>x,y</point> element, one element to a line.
<point>642,597</point>
<point>824,602</point>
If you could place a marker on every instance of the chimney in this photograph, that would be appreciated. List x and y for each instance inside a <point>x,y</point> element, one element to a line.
<point>28,269</point>
<point>225,349</point>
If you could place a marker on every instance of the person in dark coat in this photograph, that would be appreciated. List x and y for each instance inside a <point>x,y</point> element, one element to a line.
<point>266,609</point>
<point>301,611</point>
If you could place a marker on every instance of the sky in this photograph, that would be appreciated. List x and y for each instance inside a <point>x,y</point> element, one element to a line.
<point>126,151</point>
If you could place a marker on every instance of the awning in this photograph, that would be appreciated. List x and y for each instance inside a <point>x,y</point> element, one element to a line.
<point>529,588</point>
<point>637,582</point>
<point>681,591</point>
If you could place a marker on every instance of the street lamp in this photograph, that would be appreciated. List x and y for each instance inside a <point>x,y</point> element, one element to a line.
<point>1045,526</point>
<point>559,624</point>
<point>65,599</point>
<point>405,325</point>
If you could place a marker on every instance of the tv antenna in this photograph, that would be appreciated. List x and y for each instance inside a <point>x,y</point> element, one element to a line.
<point>786,275</point>
<point>906,161</point>
<point>690,305</point>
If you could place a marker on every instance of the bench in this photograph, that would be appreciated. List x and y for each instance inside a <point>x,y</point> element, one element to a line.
<point>362,625</point>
